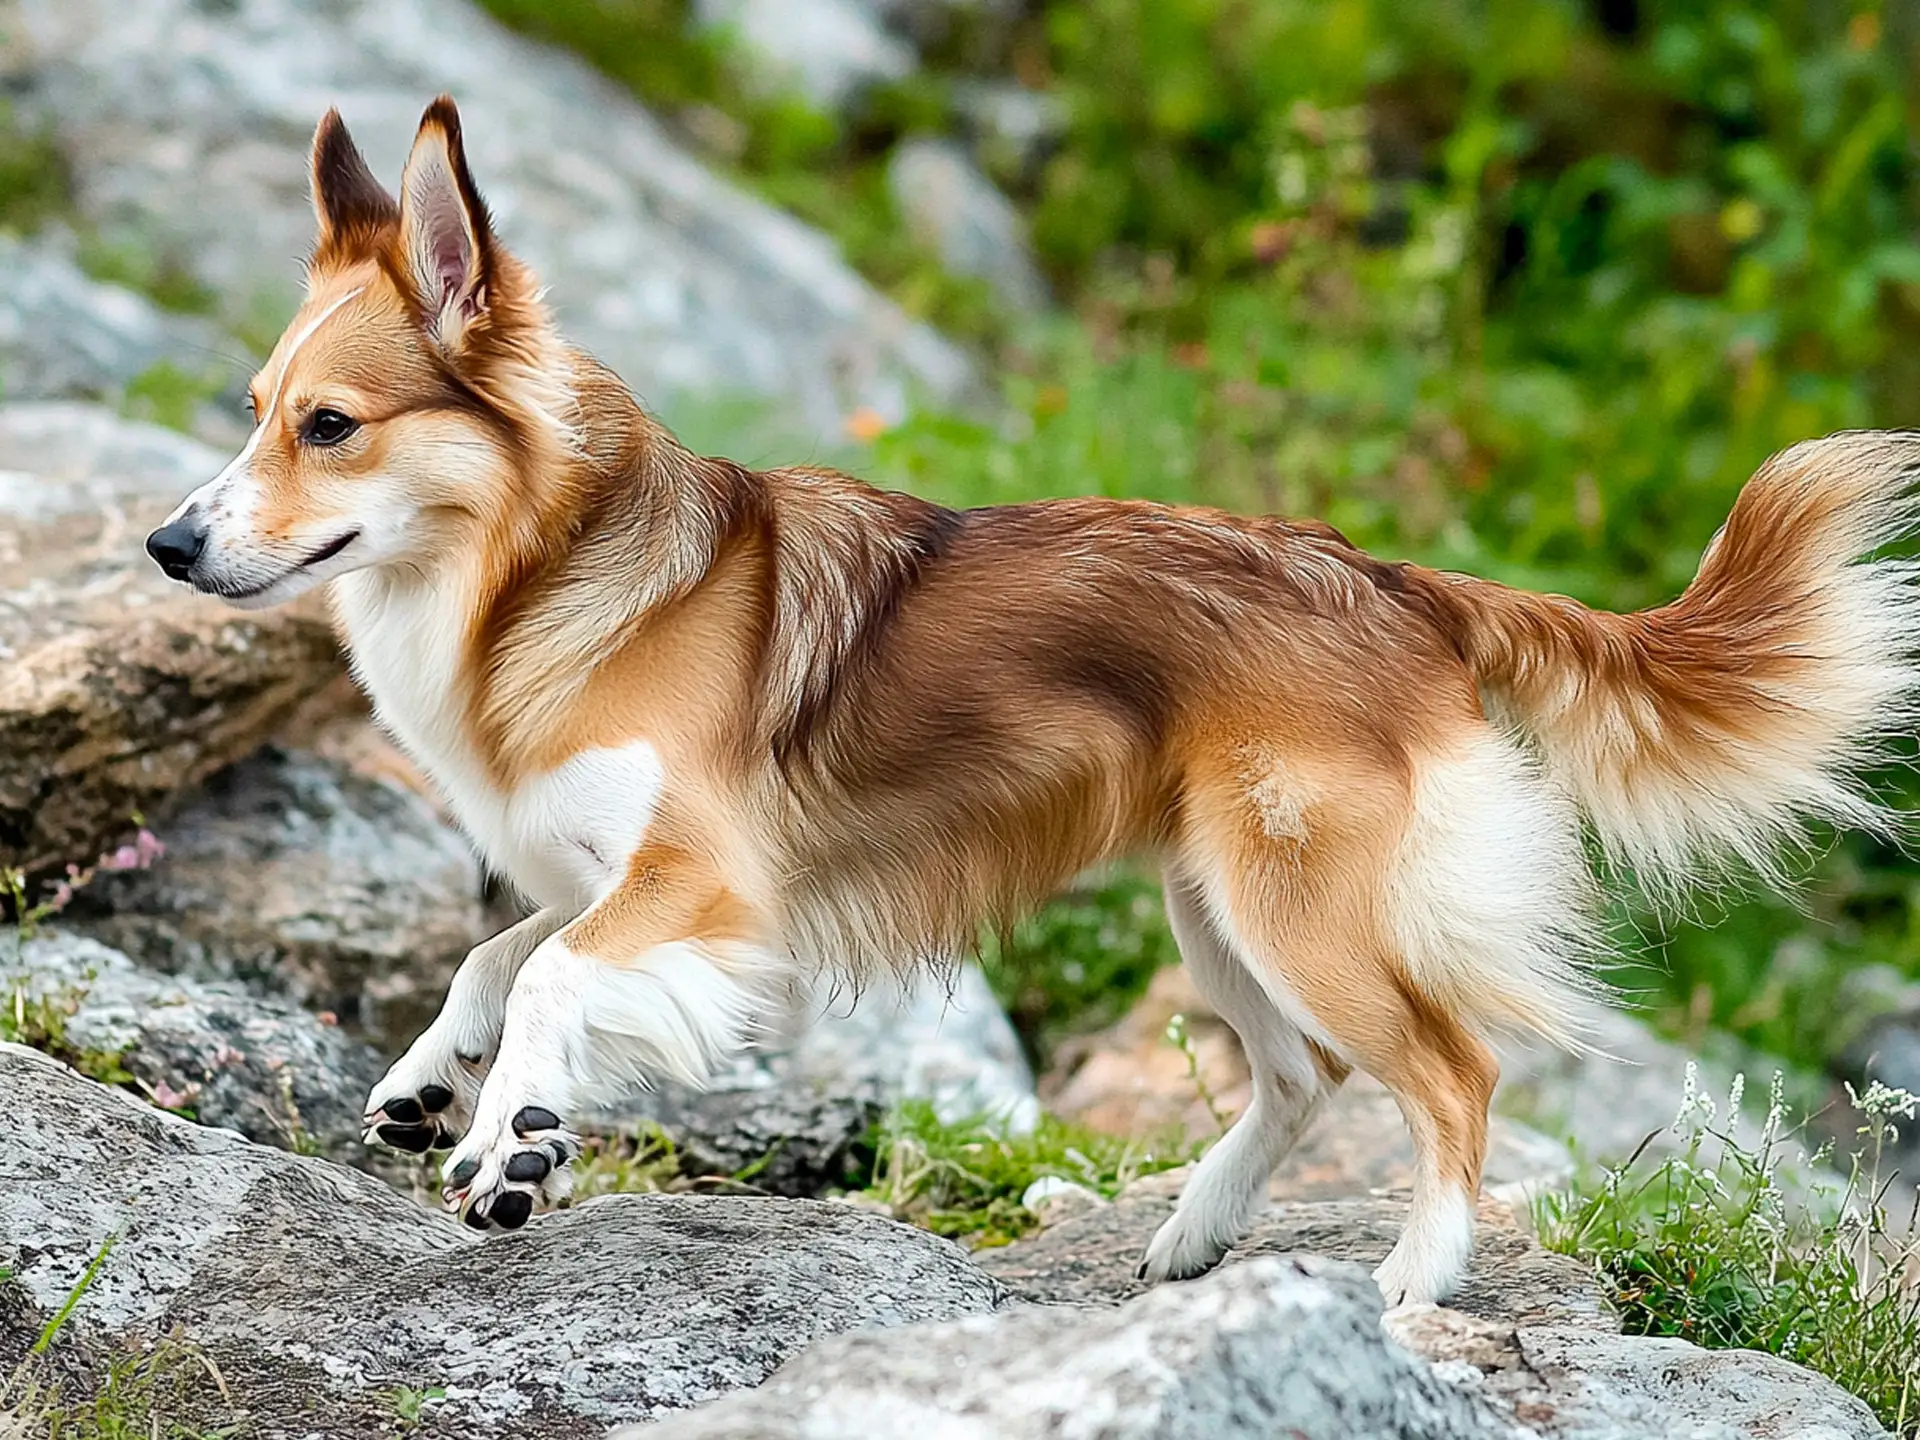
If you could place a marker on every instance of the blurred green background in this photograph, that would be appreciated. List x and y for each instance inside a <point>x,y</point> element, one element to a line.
<point>1526,288</point>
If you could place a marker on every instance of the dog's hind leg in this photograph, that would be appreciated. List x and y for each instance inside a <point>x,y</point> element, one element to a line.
<point>1291,1077</point>
<point>426,1099</point>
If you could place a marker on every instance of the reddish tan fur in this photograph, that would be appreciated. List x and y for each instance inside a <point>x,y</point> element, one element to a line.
<point>886,724</point>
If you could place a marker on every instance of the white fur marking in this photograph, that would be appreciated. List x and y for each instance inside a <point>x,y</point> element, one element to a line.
<point>1491,900</point>
<point>1432,1252</point>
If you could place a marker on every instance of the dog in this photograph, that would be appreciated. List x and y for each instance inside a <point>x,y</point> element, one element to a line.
<point>731,729</point>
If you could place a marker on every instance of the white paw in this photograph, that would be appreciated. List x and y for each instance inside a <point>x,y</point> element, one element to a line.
<point>1417,1275</point>
<point>1431,1254</point>
<point>501,1172</point>
<point>1179,1250</point>
<point>426,1101</point>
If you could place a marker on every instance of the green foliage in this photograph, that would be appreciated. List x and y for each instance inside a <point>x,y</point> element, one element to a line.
<point>1081,961</point>
<point>647,1162</point>
<point>965,1180</point>
<point>1708,1245</point>
<point>38,1018</point>
<point>161,1391</point>
<point>167,1392</point>
<point>410,1404</point>
<point>168,395</point>
<point>34,184</point>
<point>1490,289</point>
<point>140,268</point>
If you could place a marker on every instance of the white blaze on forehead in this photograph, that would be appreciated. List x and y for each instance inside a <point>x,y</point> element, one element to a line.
<point>237,466</point>
<point>306,334</point>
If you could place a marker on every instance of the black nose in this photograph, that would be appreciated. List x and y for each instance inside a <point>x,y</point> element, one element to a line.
<point>177,546</point>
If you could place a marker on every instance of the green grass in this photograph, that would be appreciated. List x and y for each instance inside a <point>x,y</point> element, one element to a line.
<point>35,186</point>
<point>37,1018</point>
<point>166,394</point>
<point>964,1180</point>
<point>647,1163</point>
<point>163,1390</point>
<point>1708,1244</point>
<point>1080,962</point>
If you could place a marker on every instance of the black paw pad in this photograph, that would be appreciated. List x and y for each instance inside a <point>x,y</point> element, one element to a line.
<point>528,1167</point>
<point>416,1139</point>
<point>535,1117</point>
<point>474,1220</point>
<point>444,1140</point>
<point>434,1098</point>
<point>462,1174</point>
<point>511,1210</point>
<point>404,1111</point>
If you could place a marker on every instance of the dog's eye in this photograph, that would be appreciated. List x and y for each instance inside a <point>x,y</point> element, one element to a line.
<point>328,427</point>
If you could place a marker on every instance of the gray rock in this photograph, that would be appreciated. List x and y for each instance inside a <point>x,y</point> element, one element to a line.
<point>1629,1087</point>
<point>1582,1384</point>
<point>267,1069</point>
<point>188,124</point>
<point>1611,1382</point>
<point>1089,1258</point>
<point>956,212</point>
<point>297,875</point>
<point>116,688</point>
<point>317,1291</point>
<point>829,51</point>
<point>797,1114</point>
<point>67,336</point>
<point>1279,1347</point>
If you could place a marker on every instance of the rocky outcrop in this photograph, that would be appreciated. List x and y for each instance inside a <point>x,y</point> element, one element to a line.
<point>1089,1258</point>
<point>797,1114</point>
<point>1281,1347</point>
<point>317,1291</point>
<point>303,878</point>
<point>955,211</point>
<point>67,336</point>
<point>117,689</point>
<point>1527,1332</point>
<point>267,1069</point>
<point>188,125</point>
<point>831,52</point>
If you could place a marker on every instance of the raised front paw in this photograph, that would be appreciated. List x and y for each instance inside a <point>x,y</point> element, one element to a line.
<point>498,1179</point>
<point>425,1102</point>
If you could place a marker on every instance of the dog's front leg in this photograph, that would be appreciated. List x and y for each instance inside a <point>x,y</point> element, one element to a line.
<point>663,978</point>
<point>426,1100</point>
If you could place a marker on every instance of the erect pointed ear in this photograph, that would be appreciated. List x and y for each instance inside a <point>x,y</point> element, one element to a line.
<point>349,203</point>
<point>446,239</point>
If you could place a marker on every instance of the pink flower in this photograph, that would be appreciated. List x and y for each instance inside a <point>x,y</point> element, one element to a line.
<point>168,1098</point>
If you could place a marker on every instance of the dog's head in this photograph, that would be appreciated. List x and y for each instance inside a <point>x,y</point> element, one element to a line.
<point>402,399</point>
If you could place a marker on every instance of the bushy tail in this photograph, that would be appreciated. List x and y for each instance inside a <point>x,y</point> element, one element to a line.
<point>1716,728</point>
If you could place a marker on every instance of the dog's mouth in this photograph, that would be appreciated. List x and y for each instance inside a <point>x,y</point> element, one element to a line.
<point>324,553</point>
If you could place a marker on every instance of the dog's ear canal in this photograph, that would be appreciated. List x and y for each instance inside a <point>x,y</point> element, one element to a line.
<point>350,205</point>
<point>446,238</point>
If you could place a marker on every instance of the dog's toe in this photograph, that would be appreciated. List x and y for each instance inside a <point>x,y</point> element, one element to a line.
<point>499,1185</point>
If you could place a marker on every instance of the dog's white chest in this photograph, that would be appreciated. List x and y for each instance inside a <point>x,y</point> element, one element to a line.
<point>573,829</point>
<point>563,837</point>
